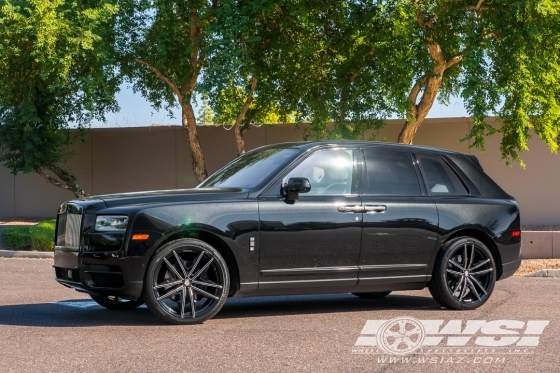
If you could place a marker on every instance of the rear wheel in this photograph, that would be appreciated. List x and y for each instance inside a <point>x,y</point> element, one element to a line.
<point>115,303</point>
<point>187,282</point>
<point>464,274</point>
<point>373,294</point>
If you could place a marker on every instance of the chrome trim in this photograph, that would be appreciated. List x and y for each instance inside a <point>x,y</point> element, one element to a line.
<point>392,267</point>
<point>307,283</point>
<point>67,249</point>
<point>393,279</point>
<point>290,271</point>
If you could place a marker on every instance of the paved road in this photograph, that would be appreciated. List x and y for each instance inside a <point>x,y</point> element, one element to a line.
<point>45,327</point>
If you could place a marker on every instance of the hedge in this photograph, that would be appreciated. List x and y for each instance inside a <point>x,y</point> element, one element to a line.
<point>39,237</point>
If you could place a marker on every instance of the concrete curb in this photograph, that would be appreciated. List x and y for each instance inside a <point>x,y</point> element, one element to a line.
<point>26,254</point>
<point>545,273</point>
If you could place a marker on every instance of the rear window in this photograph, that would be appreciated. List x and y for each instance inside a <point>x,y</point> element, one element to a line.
<point>440,178</point>
<point>390,173</point>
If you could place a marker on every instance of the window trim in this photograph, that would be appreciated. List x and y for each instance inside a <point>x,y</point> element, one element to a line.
<point>413,159</point>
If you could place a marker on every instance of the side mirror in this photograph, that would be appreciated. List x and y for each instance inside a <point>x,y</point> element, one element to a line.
<point>295,186</point>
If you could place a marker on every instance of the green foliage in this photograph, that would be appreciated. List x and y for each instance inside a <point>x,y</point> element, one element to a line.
<point>17,238</point>
<point>363,59</point>
<point>205,114</point>
<point>247,60</point>
<point>39,237</point>
<point>42,235</point>
<point>56,71</point>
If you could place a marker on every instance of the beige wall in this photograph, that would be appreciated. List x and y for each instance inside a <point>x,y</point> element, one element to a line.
<point>147,158</point>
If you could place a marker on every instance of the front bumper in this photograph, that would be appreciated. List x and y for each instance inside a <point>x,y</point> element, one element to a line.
<point>97,276</point>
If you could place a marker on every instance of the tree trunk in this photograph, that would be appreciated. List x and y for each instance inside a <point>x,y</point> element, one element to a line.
<point>237,130</point>
<point>420,111</point>
<point>61,178</point>
<point>189,125</point>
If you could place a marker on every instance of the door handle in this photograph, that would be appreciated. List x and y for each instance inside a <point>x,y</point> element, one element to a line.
<point>351,208</point>
<point>375,208</point>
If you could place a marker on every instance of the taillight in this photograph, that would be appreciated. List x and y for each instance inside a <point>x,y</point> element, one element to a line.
<point>516,234</point>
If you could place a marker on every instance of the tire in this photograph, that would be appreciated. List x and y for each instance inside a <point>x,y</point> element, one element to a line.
<point>187,282</point>
<point>455,285</point>
<point>115,303</point>
<point>373,294</point>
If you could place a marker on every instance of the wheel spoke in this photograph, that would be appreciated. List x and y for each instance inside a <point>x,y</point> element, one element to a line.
<point>463,289</point>
<point>474,280</point>
<point>183,296</point>
<point>457,285</point>
<point>166,284</point>
<point>180,261</point>
<point>481,272</point>
<point>192,298</point>
<point>472,258</point>
<point>465,260</point>
<point>172,268</point>
<point>170,293</point>
<point>203,269</point>
<point>454,273</point>
<point>471,286</point>
<point>197,260</point>
<point>206,294</point>
<point>208,284</point>
<point>456,264</point>
<point>480,264</point>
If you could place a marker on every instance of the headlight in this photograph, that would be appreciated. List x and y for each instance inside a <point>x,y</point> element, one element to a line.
<point>111,223</point>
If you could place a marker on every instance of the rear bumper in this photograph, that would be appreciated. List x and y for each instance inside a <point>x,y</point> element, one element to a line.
<point>508,269</point>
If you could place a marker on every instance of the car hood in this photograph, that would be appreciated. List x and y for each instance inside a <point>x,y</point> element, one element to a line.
<point>166,196</point>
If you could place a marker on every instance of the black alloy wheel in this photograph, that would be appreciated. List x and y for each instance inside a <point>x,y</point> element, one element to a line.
<point>187,282</point>
<point>373,294</point>
<point>464,274</point>
<point>115,303</point>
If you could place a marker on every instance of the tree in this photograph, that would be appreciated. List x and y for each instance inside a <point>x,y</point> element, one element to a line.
<point>56,73</point>
<point>205,113</point>
<point>245,62</point>
<point>500,56</point>
<point>163,45</point>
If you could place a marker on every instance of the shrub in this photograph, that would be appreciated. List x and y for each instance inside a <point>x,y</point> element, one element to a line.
<point>38,237</point>
<point>42,235</point>
<point>16,238</point>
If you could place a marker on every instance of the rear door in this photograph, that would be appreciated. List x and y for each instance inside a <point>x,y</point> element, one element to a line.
<point>400,222</point>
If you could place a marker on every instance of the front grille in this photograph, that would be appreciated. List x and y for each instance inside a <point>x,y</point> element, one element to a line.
<point>68,233</point>
<point>68,274</point>
<point>108,280</point>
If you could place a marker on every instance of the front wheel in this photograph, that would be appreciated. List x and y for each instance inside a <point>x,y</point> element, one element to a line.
<point>464,274</point>
<point>115,303</point>
<point>187,282</point>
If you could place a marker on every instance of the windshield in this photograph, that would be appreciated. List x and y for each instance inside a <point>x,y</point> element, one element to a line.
<point>250,169</point>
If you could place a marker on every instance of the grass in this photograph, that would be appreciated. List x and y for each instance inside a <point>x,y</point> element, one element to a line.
<point>38,237</point>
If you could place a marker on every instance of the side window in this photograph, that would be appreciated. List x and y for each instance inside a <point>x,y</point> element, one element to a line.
<point>390,173</point>
<point>330,172</point>
<point>440,178</point>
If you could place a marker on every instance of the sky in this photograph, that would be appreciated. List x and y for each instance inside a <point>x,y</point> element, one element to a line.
<point>137,112</point>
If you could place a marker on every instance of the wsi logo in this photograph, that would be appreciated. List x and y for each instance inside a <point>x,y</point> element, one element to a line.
<point>405,335</point>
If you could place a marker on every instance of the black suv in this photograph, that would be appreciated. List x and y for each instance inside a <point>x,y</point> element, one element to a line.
<point>297,218</point>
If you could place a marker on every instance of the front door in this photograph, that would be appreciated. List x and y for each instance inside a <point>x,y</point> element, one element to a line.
<point>314,241</point>
<point>400,221</point>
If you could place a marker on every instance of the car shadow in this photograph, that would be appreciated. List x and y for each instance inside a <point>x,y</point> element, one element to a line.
<point>86,313</point>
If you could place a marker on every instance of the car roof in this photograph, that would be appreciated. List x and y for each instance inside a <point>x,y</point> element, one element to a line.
<point>306,145</point>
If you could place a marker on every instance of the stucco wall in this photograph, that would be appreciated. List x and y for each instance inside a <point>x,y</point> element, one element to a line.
<point>146,158</point>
